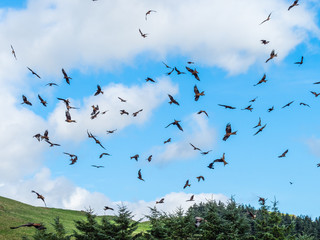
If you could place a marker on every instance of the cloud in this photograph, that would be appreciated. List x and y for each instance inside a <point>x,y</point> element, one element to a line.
<point>314,145</point>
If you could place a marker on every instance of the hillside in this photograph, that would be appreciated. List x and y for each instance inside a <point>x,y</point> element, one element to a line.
<point>14,213</point>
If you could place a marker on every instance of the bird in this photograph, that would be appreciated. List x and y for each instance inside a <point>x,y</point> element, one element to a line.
<point>172,100</point>
<point>259,123</point>
<point>169,140</point>
<point>271,109</point>
<point>102,154</point>
<point>144,35</point>
<point>288,104</point>
<point>160,201</point>
<point>248,108</point>
<point>318,164</point>
<point>253,216</point>
<point>98,91</point>
<point>166,65</point>
<point>136,113</point>
<point>222,159</point>
<point>263,41</point>
<point>283,154</point>
<point>175,122</point>
<point>39,196</point>
<point>111,131</point>
<point>13,52</point>
<point>37,136</point>
<point>200,178</point>
<point>51,84</point>
<point>194,148</point>
<point>253,100</point>
<point>178,72</point>
<point>148,79</point>
<point>97,166</point>
<point>25,100</point>
<point>169,73</point>
<point>190,62</point>
<point>206,153</point>
<point>267,19</point>
<point>95,115</point>
<point>262,200</point>
<point>272,55</point>
<point>95,109</point>
<point>135,157</point>
<point>301,61</point>
<point>65,76</point>
<point>194,72</point>
<point>148,12</point>
<point>122,111</point>
<point>107,208</point>
<point>262,80</point>
<point>191,199</point>
<point>211,165</point>
<point>68,117</point>
<point>304,104</point>
<point>67,103</point>
<point>202,111</point>
<point>316,83</point>
<point>52,144</point>
<point>149,158</point>
<point>73,157</point>
<point>38,226</point>
<point>95,139</point>
<point>260,129</point>
<point>226,106</point>
<point>295,3</point>
<point>122,100</point>
<point>187,184</point>
<point>139,175</point>
<point>228,132</point>
<point>44,103</point>
<point>315,94</point>
<point>197,93</point>
<point>34,73</point>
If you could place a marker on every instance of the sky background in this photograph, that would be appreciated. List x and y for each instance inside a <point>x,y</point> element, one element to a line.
<point>98,42</point>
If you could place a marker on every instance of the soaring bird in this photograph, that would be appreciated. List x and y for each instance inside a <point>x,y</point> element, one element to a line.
<point>253,100</point>
<point>135,157</point>
<point>122,111</point>
<point>37,136</point>
<point>226,106</point>
<point>272,55</point>
<point>13,52</point>
<point>166,65</point>
<point>222,159</point>
<point>44,103</point>
<point>271,109</point>
<point>169,140</point>
<point>283,154</point>
<point>262,80</point>
<point>107,208</point>
<point>160,201</point>
<point>52,144</point>
<point>68,117</point>
<point>260,129</point>
<point>149,158</point>
<point>187,184</point>
<point>95,109</point>
<point>103,154</point>
<point>95,115</point>
<point>295,3</point>
<point>73,158</point>
<point>259,123</point>
<point>267,19</point>
<point>51,84</point>
<point>288,104</point>
<point>169,73</point>
<point>39,196</point>
<point>97,166</point>
<point>315,94</point>
<point>148,79</point>
<point>98,91</point>
<point>301,61</point>
<point>38,226</point>
<point>202,111</point>
<point>67,103</point>
<point>144,35</point>
<point>136,113</point>
<point>248,108</point>
<point>228,132</point>
<point>25,100</point>
<point>206,153</point>
<point>262,200</point>
<point>304,104</point>
<point>172,100</point>
<point>189,62</point>
<point>122,100</point>
<point>178,72</point>
<point>200,178</point>
<point>191,199</point>
<point>147,13</point>
<point>65,76</point>
<point>95,139</point>
<point>194,72</point>
<point>197,93</point>
<point>139,175</point>
<point>194,148</point>
<point>111,131</point>
<point>211,165</point>
<point>34,73</point>
<point>175,122</point>
<point>263,41</point>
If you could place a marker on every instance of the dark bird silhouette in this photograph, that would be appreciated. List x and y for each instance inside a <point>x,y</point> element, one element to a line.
<point>271,109</point>
<point>147,13</point>
<point>253,100</point>
<point>200,178</point>
<point>39,196</point>
<point>149,158</point>
<point>288,104</point>
<point>228,132</point>
<point>190,62</point>
<point>37,136</point>
<point>95,139</point>
<point>98,91</point>
<point>52,144</point>
<point>136,113</point>
<point>51,84</point>
<point>267,19</point>
<point>187,184</point>
<point>283,154</point>
<point>194,148</point>
<point>95,109</point>
<point>295,3</point>
<point>202,111</point>
<point>191,199</point>
<point>172,100</point>
<point>175,122</point>
<point>178,72</point>
<point>122,100</point>
<point>262,80</point>
<point>260,129</point>
<point>211,165</point>
<point>38,226</point>
<point>206,153</point>
<point>316,83</point>
<point>301,61</point>
<point>65,76</point>
<point>160,201</point>
<point>169,73</point>
<point>73,158</point>
<point>103,154</point>
<point>135,157</point>
<point>68,117</point>
<point>97,166</point>
<point>144,35</point>
<point>13,52</point>
<point>45,135</point>
<point>148,79</point>
<point>262,200</point>
<point>197,93</point>
<point>166,65</point>
<point>67,103</point>
<point>248,108</point>
<point>44,103</point>
<point>111,131</point>
<point>304,104</point>
<point>139,175</point>
<point>259,123</point>
<point>226,106</point>
<point>169,140</point>
<point>194,72</point>
<point>25,100</point>
<point>122,111</point>
<point>107,208</point>
<point>263,41</point>
<point>318,164</point>
<point>34,73</point>
<point>222,159</point>
<point>315,94</point>
<point>272,55</point>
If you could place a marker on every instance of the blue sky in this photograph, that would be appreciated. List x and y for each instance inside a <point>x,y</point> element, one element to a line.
<point>99,43</point>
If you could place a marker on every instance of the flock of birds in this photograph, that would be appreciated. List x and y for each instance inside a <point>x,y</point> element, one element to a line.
<point>197,94</point>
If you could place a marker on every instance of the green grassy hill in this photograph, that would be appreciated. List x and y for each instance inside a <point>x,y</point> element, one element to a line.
<point>14,213</point>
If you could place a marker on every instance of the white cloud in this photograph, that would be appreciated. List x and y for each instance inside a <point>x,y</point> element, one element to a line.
<point>314,145</point>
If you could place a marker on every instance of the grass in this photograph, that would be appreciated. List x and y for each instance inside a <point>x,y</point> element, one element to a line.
<point>14,213</point>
